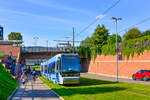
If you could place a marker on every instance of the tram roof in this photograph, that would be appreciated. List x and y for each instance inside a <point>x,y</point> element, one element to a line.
<point>53,59</point>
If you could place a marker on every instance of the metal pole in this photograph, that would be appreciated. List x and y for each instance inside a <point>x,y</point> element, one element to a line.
<point>47,45</point>
<point>116,20</point>
<point>73,38</point>
<point>47,55</point>
<point>35,38</point>
<point>116,53</point>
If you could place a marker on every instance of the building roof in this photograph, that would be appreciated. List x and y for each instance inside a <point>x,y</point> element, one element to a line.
<point>10,42</point>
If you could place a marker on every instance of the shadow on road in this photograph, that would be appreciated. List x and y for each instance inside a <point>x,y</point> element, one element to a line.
<point>36,93</point>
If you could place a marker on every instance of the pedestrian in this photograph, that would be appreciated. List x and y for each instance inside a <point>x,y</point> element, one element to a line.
<point>24,78</point>
<point>28,72</point>
<point>34,74</point>
<point>10,55</point>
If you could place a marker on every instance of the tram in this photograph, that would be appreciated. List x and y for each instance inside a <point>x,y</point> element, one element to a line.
<point>62,69</point>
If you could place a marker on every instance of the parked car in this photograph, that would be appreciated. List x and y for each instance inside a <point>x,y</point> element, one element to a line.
<point>142,75</point>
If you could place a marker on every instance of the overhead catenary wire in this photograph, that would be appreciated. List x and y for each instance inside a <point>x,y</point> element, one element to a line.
<point>104,13</point>
<point>140,22</point>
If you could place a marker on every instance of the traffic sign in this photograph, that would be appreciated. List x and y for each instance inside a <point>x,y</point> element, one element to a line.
<point>117,50</point>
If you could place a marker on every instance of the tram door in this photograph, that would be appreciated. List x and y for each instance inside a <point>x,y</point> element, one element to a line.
<point>58,69</point>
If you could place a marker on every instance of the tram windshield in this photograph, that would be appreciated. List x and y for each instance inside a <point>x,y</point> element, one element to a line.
<point>70,65</point>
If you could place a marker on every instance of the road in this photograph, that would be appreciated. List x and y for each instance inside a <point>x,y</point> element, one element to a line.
<point>34,91</point>
<point>101,77</point>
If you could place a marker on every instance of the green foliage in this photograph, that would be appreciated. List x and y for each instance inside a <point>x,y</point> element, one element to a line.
<point>15,36</point>
<point>103,43</point>
<point>84,52</point>
<point>109,49</point>
<point>130,47</point>
<point>1,54</point>
<point>112,39</point>
<point>86,42</point>
<point>147,32</point>
<point>98,39</point>
<point>92,46</point>
<point>132,34</point>
<point>7,84</point>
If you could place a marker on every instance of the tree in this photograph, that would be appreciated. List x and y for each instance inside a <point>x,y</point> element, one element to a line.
<point>147,32</point>
<point>132,34</point>
<point>112,39</point>
<point>98,39</point>
<point>15,36</point>
<point>84,52</point>
<point>86,42</point>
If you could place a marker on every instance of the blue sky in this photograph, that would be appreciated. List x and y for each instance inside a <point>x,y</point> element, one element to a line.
<point>54,19</point>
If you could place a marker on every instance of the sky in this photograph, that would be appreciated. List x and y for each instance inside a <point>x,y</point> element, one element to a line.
<point>53,19</point>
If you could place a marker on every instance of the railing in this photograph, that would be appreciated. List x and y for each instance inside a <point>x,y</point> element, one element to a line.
<point>42,49</point>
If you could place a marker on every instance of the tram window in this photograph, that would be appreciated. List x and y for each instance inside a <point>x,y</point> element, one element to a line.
<point>53,68</point>
<point>57,70</point>
<point>59,64</point>
<point>47,69</point>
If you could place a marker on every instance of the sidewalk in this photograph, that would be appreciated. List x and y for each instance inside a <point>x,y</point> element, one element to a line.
<point>34,91</point>
<point>107,78</point>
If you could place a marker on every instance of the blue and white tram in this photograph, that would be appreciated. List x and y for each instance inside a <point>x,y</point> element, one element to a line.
<point>62,69</point>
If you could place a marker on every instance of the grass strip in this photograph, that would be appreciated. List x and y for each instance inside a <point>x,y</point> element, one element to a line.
<point>93,89</point>
<point>7,84</point>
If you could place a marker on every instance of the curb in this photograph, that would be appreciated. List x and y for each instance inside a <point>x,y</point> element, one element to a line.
<point>124,77</point>
<point>60,97</point>
<point>10,97</point>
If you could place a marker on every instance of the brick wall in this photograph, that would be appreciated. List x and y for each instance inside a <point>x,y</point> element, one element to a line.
<point>107,65</point>
<point>9,48</point>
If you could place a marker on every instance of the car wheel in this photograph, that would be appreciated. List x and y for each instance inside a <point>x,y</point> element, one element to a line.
<point>133,77</point>
<point>145,78</point>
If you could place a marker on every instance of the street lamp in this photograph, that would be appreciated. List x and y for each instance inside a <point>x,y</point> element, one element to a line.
<point>47,53</point>
<point>47,44</point>
<point>35,38</point>
<point>117,50</point>
<point>47,48</point>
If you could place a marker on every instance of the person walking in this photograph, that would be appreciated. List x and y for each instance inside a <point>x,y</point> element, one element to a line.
<point>29,73</point>
<point>34,75</point>
<point>24,78</point>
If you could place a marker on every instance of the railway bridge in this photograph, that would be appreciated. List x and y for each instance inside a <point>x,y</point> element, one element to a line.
<point>29,55</point>
<point>33,56</point>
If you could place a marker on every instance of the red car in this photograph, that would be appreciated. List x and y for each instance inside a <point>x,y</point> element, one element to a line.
<point>142,75</point>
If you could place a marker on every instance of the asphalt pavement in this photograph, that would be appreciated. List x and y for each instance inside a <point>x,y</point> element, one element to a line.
<point>35,91</point>
<point>102,77</point>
